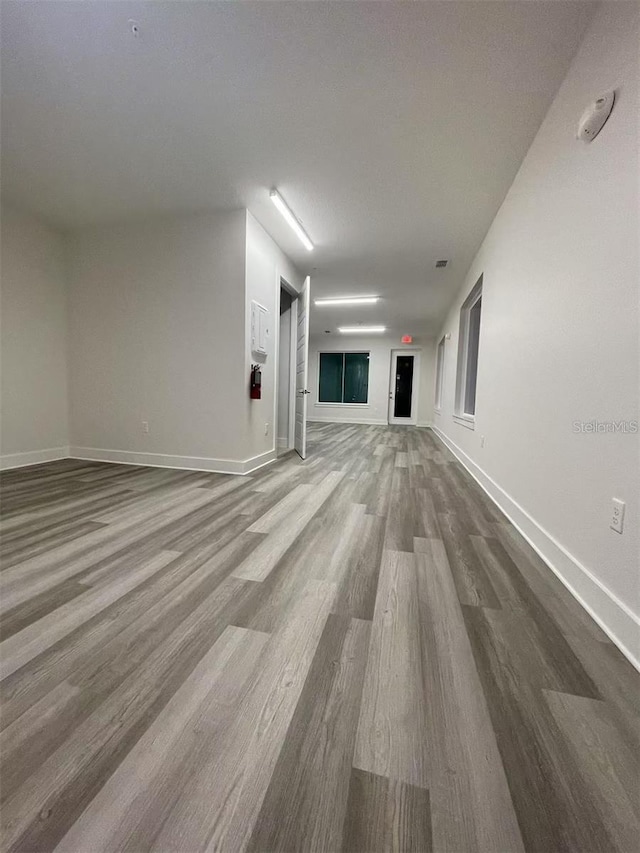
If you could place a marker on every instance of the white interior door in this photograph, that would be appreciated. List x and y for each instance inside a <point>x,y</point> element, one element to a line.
<point>403,386</point>
<point>302,368</point>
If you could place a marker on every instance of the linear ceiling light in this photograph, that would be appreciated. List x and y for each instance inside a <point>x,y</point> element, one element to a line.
<point>348,300</point>
<point>279,202</point>
<point>350,330</point>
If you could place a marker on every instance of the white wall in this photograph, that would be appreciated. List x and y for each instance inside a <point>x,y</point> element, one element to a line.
<point>266,264</point>
<point>559,335</point>
<point>34,402</point>
<point>157,325</point>
<point>376,411</point>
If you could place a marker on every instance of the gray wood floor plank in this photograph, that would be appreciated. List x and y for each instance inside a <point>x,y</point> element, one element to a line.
<point>56,515</point>
<point>40,573</point>
<point>223,801</point>
<point>400,527</point>
<point>391,738</point>
<point>70,777</point>
<point>126,630</point>
<point>555,809</point>
<point>550,589</point>
<point>470,799</point>
<point>282,510</point>
<point>472,581</point>
<point>41,635</point>
<point>126,808</point>
<point>537,644</point>
<point>37,542</point>
<point>40,605</point>
<point>23,742</point>
<point>306,800</point>
<point>385,816</point>
<point>616,679</point>
<point>280,539</point>
<point>356,595</point>
<point>608,765</point>
<point>338,544</point>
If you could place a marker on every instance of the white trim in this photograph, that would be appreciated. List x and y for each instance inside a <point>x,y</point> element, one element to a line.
<point>615,618</point>
<point>342,352</point>
<point>345,405</point>
<point>161,460</point>
<point>277,321</point>
<point>468,421</point>
<point>367,422</point>
<point>32,457</point>
<point>259,461</point>
<point>283,443</point>
<point>424,424</point>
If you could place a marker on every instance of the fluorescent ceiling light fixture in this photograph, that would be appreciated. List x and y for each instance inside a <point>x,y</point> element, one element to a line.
<point>350,330</point>
<point>279,202</point>
<point>348,300</point>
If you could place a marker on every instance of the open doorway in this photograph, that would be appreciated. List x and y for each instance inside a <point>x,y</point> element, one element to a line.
<point>285,402</point>
<point>403,386</point>
<point>290,399</point>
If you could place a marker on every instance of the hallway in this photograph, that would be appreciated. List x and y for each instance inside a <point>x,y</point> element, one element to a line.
<point>356,652</point>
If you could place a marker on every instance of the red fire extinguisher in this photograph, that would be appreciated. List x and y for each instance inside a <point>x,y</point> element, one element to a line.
<point>256,381</point>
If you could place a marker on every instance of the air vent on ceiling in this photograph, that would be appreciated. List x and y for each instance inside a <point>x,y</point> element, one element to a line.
<point>440,264</point>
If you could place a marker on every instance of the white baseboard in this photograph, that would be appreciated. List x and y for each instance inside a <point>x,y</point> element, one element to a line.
<point>161,460</point>
<point>259,461</point>
<point>282,444</point>
<point>32,457</point>
<point>426,424</point>
<point>355,421</point>
<point>617,620</point>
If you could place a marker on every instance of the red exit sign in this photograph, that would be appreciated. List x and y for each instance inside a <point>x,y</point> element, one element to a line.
<point>407,339</point>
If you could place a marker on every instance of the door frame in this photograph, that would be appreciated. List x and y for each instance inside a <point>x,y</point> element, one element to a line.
<point>304,299</point>
<point>283,284</point>
<point>415,387</point>
<point>292,372</point>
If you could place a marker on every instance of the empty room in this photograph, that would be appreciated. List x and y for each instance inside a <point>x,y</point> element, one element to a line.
<point>319,446</point>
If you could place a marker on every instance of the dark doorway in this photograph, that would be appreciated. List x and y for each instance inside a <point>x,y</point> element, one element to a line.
<point>404,386</point>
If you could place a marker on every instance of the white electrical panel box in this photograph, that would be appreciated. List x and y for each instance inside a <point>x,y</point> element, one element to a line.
<point>259,329</point>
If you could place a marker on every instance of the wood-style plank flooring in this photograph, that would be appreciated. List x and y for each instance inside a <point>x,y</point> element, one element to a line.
<point>353,653</point>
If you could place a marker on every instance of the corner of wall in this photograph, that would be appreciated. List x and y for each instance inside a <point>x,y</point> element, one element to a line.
<point>34,404</point>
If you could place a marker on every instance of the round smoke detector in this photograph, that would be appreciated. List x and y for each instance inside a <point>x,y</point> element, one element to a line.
<point>594,117</point>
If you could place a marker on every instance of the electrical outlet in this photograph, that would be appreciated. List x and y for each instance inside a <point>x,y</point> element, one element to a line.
<point>145,427</point>
<point>266,429</point>
<point>617,515</point>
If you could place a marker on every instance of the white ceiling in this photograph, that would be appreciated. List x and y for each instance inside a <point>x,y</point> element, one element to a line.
<point>392,129</point>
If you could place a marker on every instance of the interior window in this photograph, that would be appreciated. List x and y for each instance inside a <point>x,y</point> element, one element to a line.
<point>439,374</point>
<point>344,377</point>
<point>468,351</point>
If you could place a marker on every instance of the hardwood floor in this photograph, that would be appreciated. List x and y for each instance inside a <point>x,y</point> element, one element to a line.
<point>355,653</point>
